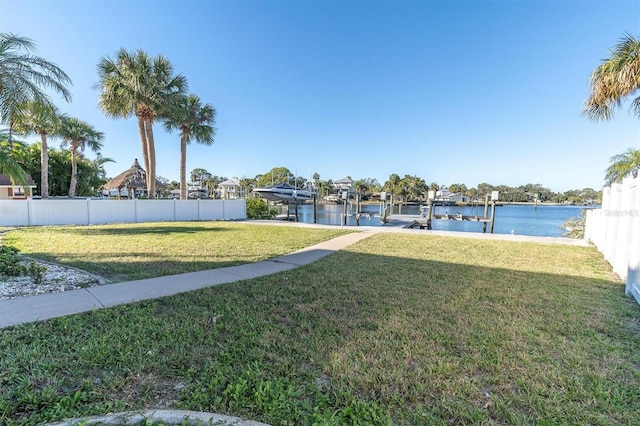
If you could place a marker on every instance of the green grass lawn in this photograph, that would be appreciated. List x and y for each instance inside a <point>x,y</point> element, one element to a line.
<point>125,252</point>
<point>397,329</point>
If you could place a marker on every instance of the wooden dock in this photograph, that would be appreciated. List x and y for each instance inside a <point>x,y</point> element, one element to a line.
<point>459,216</point>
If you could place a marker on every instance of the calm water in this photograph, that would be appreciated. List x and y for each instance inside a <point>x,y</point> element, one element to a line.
<point>519,219</point>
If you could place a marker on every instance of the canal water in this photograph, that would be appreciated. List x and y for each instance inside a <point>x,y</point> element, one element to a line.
<point>518,219</point>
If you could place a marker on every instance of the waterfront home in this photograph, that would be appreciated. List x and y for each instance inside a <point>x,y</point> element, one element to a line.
<point>448,197</point>
<point>9,191</point>
<point>231,189</point>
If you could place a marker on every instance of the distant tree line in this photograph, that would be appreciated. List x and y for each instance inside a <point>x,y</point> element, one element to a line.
<point>415,189</point>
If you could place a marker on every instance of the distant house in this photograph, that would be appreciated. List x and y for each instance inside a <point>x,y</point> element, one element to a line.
<point>344,184</point>
<point>230,189</point>
<point>445,196</point>
<point>8,191</point>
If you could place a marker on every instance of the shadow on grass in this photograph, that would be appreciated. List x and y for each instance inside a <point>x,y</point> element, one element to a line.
<point>118,267</point>
<point>142,229</point>
<point>352,336</point>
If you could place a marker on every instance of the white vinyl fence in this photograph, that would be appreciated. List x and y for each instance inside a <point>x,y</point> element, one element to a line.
<point>98,211</point>
<point>615,230</point>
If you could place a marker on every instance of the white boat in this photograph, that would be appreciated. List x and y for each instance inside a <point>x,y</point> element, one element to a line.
<point>283,192</point>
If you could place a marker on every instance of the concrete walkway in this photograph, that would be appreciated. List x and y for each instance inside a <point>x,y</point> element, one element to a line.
<point>53,305</point>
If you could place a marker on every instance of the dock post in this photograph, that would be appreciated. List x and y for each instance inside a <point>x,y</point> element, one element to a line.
<point>344,211</point>
<point>430,212</point>
<point>315,208</point>
<point>493,214</point>
<point>486,208</point>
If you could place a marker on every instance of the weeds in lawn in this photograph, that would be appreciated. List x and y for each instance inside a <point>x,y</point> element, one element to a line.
<point>397,329</point>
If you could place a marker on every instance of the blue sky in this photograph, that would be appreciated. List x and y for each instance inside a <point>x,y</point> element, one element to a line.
<point>451,91</point>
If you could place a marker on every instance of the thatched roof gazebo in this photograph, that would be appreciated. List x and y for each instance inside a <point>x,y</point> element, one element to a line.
<point>132,179</point>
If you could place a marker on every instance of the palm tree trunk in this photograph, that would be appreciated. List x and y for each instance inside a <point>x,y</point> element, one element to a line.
<point>74,170</point>
<point>44,166</point>
<point>151,173</point>
<point>183,167</point>
<point>145,147</point>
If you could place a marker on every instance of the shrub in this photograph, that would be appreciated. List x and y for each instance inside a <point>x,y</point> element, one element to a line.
<point>36,271</point>
<point>574,227</point>
<point>257,208</point>
<point>10,264</point>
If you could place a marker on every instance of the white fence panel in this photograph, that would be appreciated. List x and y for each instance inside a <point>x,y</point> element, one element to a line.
<point>212,211</point>
<point>91,211</point>
<point>615,231</point>
<point>59,212</point>
<point>154,210</point>
<point>235,209</point>
<point>186,210</point>
<point>14,213</point>
<point>111,211</point>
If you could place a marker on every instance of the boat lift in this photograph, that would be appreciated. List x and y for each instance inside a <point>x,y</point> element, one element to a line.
<point>427,213</point>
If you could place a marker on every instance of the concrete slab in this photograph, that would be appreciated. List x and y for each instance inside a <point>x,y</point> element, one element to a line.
<point>309,255</point>
<point>168,417</point>
<point>45,306</point>
<point>135,291</point>
<point>254,270</point>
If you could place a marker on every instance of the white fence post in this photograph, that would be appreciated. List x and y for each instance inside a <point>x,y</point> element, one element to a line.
<point>615,230</point>
<point>633,271</point>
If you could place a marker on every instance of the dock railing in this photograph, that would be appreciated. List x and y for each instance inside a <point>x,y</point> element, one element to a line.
<point>615,231</point>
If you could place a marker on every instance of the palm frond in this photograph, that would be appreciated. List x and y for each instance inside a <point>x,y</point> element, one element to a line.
<point>617,78</point>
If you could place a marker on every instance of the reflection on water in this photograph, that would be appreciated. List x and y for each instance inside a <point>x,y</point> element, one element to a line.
<point>545,220</point>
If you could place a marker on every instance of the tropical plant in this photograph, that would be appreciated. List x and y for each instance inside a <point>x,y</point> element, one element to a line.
<point>10,168</point>
<point>78,134</point>
<point>623,165</point>
<point>41,119</point>
<point>135,84</point>
<point>257,208</point>
<point>392,185</point>
<point>24,77</point>
<point>90,176</point>
<point>195,122</point>
<point>413,187</point>
<point>323,188</point>
<point>8,165</point>
<point>615,80</point>
<point>199,177</point>
<point>274,176</point>
<point>247,185</point>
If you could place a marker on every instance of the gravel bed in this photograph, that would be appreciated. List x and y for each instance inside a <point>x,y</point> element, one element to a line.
<point>56,278</point>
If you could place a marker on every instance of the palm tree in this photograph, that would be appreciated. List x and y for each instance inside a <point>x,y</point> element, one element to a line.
<point>623,165</point>
<point>41,119</point>
<point>135,84</point>
<point>616,79</point>
<point>8,165</point>
<point>78,134</point>
<point>23,77</point>
<point>195,122</point>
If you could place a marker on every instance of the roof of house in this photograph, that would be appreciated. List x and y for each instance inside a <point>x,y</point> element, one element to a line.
<point>230,182</point>
<point>5,181</point>
<point>346,180</point>
<point>134,177</point>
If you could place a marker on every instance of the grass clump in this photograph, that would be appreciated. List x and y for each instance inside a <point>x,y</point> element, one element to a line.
<point>397,329</point>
